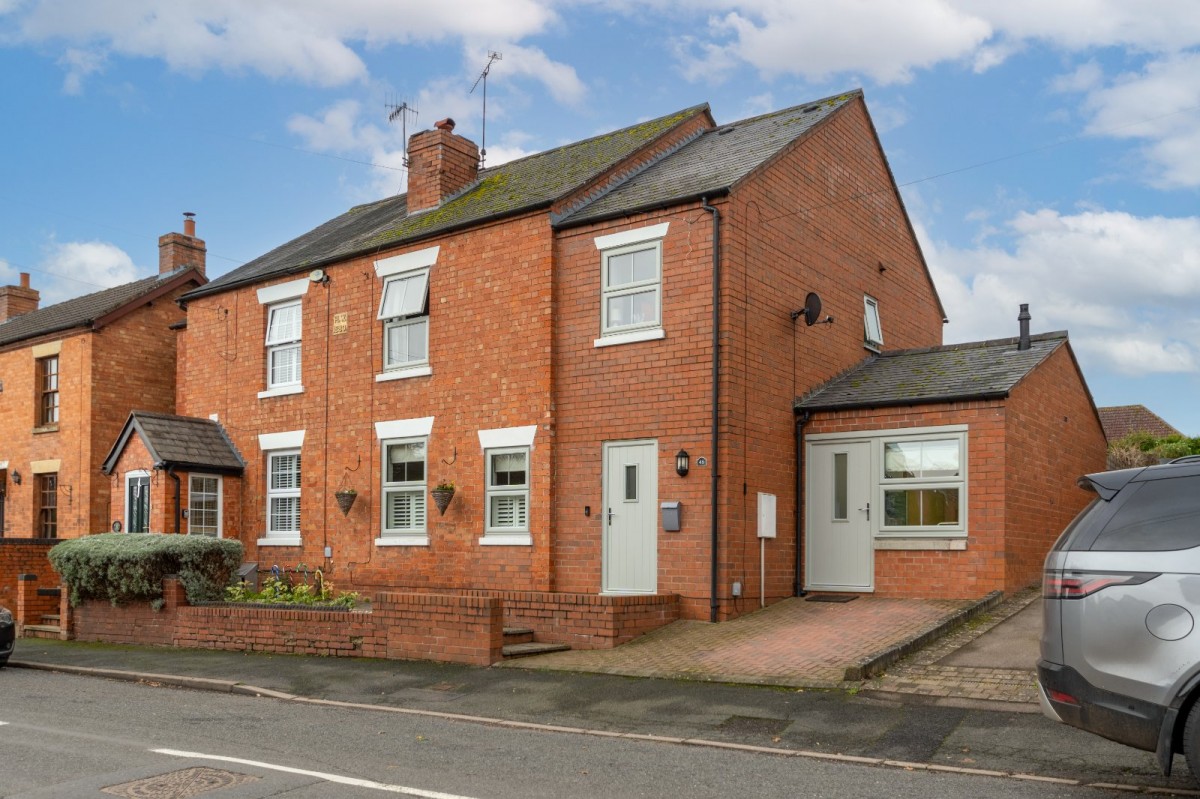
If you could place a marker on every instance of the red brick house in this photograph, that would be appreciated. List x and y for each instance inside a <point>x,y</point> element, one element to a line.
<point>600,346</point>
<point>1122,420</point>
<point>69,375</point>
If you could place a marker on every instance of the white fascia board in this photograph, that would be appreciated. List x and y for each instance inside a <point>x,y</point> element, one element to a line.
<point>293,439</point>
<point>404,428</point>
<point>293,289</point>
<point>507,437</point>
<point>632,236</point>
<point>420,259</point>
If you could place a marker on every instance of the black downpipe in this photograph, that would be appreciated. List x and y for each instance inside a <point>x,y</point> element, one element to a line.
<point>178,497</point>
<point>714,604</point>
<point>801,420</point>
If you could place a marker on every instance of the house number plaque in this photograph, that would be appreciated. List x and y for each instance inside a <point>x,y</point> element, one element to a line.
<point>341,323</point>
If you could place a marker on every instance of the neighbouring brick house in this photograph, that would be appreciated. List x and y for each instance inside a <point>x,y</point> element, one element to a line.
<point>599,345</point>
<point>69,375</point>
<point>1122,420</point>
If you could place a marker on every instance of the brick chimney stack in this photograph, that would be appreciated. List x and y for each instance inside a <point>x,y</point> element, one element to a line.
<point>179,250</point>
<point>18,300</point>
<point>440,164</point>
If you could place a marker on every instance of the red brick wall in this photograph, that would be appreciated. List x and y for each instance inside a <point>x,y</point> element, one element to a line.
<point>489,336</point>
<point>772,257</point>
<point>24,556</point>
<point>1053,435</point>
<point>934,574</point>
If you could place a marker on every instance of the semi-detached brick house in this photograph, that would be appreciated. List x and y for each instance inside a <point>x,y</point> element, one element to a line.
<point>69,375</point>
<point>598,345</point>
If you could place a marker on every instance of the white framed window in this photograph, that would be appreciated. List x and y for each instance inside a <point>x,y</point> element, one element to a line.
<point>922,484</point>
<point>204,505</point>
<point>283,497</point>
<point>872,331</point>
<point>284,330</point>
<point>507,486</point>
<point>631,285</point>
<point>404,312</point>
<point>404,494</point>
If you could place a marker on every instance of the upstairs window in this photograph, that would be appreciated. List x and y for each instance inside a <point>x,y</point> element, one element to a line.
<point>631,271</point>
<point>872,332</point>
<point>47,371</point>
<point>404,311</point>
<point>283,344</point>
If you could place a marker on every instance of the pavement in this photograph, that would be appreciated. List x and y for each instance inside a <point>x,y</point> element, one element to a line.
<point>943,687</point>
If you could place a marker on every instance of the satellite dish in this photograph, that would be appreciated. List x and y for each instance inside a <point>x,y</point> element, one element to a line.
<point>812,308</point>
<point>316,275</point>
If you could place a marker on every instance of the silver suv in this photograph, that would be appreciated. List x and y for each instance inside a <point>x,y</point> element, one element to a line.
<point>1120,652</point>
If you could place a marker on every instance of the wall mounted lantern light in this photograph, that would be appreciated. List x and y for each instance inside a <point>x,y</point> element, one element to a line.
<point>16,477</point>
<point>681,463</point>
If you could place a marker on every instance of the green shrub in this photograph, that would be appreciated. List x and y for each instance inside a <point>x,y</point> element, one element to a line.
<point>1143,449</point>
<point>123,567</point>
<point>280,591</point>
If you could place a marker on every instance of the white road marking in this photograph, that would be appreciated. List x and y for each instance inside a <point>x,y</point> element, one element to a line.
<point>337,778</point>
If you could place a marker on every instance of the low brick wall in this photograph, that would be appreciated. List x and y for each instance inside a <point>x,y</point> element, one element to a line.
<point>456,629</point>
<point>585,621</point>
<point>24,556</point>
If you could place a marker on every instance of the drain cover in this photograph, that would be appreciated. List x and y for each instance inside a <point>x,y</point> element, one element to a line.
<point>180,784</point>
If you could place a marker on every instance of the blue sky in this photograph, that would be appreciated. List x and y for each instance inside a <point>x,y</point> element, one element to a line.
<point>1048,153</point>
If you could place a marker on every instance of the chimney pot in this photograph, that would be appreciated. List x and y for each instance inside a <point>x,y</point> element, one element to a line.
<point>24,280</point>
<point>1024,317</point>
<point>446,124</point>
<point>189,224</point>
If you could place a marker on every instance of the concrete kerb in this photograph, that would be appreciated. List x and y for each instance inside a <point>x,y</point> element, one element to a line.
<point>226,686</point>
<point>878,662</point>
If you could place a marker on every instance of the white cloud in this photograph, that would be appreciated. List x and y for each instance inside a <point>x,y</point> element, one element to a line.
<point>303,40</point>
<point>1124,286</point>
<point>82,267</point>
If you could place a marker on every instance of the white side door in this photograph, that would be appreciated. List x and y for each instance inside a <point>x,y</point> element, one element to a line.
<point>630,518</point>
<point>838,552</point>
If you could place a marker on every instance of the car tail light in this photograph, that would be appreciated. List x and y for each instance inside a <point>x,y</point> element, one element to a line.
<point>1077,585</point>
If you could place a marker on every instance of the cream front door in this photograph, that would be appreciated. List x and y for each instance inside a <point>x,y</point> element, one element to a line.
<point>838,551</point>
<point>630,517</point>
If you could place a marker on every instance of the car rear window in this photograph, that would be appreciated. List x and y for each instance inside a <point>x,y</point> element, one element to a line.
<point>1160,515</point>
<point>1064,541</point>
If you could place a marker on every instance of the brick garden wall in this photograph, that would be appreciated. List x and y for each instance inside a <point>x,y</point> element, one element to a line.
<point>24,556</point>
<point>1053,436</point>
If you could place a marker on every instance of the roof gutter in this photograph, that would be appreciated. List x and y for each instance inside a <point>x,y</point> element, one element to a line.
<point>814,407</point>
<point>714,603</point>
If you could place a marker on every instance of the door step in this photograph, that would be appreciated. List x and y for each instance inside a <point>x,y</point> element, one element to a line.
<point>517,635</point>
<point>41,631</point>
<point>532,648</point>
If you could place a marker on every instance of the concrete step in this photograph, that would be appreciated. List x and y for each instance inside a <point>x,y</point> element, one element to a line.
<point>41,631</point>
<point>517,635</point>
<point>51,619</point>
<point>533,648</point>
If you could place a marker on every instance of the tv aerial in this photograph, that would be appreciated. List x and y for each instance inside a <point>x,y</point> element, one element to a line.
<point>401,112</point>
<point>493,57</point>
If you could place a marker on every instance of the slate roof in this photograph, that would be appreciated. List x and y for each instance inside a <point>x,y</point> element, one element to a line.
<point>82,311</point>
<point>707,165</point>
<point>1121,420</point>
<point>713,163</point>
<point>185,442</point>
<point>976,370</point>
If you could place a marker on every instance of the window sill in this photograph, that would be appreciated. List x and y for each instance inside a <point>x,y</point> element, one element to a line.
<point>279,541</point>
<point>281,391</point>
<point>629,338</point>
<point>46,428</point>
<point>401,374</point>
<point>403,541</point>
<point>945,543</point>
<point>506,540</point>
<point>875,348</point>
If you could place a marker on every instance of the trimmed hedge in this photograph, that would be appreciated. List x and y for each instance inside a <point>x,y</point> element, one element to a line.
<point>123,567</point>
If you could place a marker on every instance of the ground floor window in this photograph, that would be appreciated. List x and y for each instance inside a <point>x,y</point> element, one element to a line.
<point>508,490</point>
<point>204,505</point>
<point>922,480</point>
<point>283,494</point>
<point>404,488</point>
<point>47,498</point>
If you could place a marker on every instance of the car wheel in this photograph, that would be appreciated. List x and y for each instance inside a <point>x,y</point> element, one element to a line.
<point>1191,740</point>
